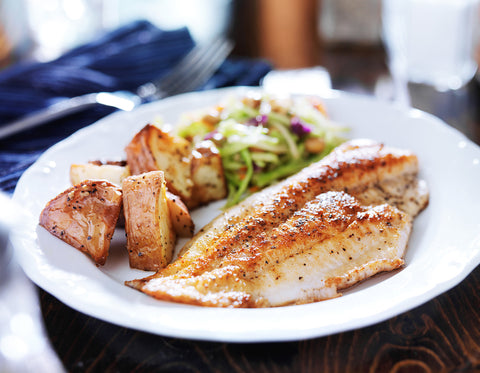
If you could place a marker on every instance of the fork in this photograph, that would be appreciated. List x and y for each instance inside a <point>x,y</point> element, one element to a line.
<point>192,71</point>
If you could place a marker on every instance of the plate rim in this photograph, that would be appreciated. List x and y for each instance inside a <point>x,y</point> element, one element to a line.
<point>438,289</point>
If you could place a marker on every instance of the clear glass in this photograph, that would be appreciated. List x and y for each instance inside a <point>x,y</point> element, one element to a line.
<point>431,41</point>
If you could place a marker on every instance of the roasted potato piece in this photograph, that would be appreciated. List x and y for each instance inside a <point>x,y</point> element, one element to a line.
<point>181,220</point>
<point>113,173</point>
<point>85,216</point>
<point>150,235</point>
<point>207,174</point>
<point>152,149</point>
<point>113,163</point>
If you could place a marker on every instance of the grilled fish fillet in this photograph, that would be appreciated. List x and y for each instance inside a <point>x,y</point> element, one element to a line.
<point>280,245</point>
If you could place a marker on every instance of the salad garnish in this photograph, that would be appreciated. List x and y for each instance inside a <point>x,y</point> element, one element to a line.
<point>262,139</point>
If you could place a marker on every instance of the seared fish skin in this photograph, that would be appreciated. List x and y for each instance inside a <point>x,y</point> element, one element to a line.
<point>211,260</point>
<point>329,244</point>
<point>355,167</point>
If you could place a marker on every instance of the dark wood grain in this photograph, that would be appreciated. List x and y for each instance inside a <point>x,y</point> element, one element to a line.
<point>442,335</point>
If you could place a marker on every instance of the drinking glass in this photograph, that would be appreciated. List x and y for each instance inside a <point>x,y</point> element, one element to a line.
<point>431,41</point>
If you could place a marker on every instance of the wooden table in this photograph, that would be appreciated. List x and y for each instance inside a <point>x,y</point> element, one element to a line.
<point>442,335</point>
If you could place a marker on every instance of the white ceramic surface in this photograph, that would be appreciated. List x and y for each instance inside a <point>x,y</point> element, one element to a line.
<point>444,247</point>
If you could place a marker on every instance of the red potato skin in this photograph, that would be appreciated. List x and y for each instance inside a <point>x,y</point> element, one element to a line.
<point>85,216</point>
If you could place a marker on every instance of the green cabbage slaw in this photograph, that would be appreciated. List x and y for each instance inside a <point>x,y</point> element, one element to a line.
<point>263,139</point>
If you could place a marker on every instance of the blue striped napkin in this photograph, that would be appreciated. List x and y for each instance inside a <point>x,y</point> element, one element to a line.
<point>120,60</point>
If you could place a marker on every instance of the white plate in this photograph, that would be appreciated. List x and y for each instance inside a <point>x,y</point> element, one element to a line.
<point>444,247</point>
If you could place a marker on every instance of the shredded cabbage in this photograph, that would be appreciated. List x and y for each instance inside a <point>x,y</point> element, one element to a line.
<point>263,139</point>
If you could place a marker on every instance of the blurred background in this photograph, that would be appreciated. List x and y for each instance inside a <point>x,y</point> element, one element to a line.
<point>289,34</point>
<point>375,47</point>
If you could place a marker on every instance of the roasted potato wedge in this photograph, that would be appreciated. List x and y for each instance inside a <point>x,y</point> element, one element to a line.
<point>85,216</point>
<point>152,149</point>
<point>150,235</point>
<point>181,220</point>
<point>113,173</point>
<point>207,174</point>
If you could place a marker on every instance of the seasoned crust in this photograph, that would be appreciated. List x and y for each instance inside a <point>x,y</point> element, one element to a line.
<point>331,243</point>
<point>275,244</point>
<point>85,216</point>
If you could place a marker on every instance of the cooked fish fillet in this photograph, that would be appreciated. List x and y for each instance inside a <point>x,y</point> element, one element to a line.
<point>211,261</point>
<point>355,167</point>
<point>329,244</point>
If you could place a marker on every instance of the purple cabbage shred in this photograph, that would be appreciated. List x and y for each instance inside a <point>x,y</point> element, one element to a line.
<point>299,127</point>
<point>258,120</point>
<point>210,135</point>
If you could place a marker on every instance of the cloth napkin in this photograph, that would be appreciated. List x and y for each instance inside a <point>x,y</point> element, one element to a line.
<point>122,59</point>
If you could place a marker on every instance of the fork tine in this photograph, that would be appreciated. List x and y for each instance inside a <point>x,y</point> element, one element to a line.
<point>194,71</point>
<point>196,56</point>
<point>191,72</point>
<point>199,74</point>
<point>198,65</point>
